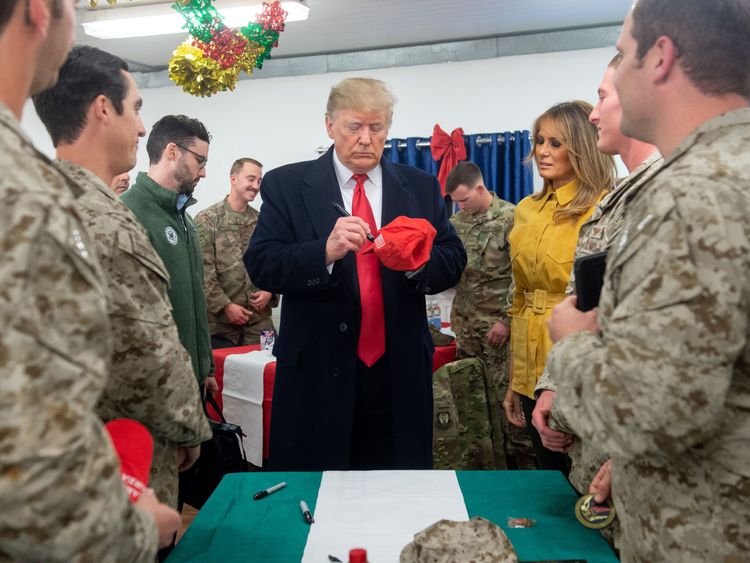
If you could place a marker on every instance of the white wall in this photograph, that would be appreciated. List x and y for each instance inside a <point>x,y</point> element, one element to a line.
<point>280,120</point>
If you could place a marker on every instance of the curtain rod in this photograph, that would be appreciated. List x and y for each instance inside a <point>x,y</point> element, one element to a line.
<point>424,144</point>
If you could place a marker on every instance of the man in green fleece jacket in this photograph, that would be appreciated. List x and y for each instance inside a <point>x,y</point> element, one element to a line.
<point>178,151</point>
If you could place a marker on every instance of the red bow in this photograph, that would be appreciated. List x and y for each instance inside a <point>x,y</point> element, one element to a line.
<point>450,149</point>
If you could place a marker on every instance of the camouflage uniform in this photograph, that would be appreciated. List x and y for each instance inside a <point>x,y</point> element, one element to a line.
<point>60,485</point>
<point>476,541</point>
<point>665,388</point>
<point>225,235</point>
<point>597,234</point>
<point>152,379</point>
<point>461,431</point>
<point>480,301</point>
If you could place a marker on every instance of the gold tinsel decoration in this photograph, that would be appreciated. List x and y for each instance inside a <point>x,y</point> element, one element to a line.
<point>247,60</point>
<point>199,75</point>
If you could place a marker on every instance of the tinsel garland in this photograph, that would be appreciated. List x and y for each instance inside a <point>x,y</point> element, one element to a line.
<point>213,60</point>
<point>199,75</point>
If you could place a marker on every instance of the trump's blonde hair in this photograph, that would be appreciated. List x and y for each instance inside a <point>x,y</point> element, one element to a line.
<point>361,94</point>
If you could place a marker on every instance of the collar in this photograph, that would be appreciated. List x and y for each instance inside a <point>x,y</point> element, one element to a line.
<point>228,210</point>
<point>737,117</point>
<point>491,213</point>
<point>638,171</point>
<point>182,199</point>
<point>564,194</point>
<point>85,178</point>
<point>8,120</point>
<point>344,175</point>
<point>495,208</point>
<point>164,198</point>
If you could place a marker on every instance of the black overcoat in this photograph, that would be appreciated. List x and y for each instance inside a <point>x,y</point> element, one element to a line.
<point>316,347</point>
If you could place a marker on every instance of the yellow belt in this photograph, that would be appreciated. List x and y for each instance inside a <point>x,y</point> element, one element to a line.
<point>539,300</point>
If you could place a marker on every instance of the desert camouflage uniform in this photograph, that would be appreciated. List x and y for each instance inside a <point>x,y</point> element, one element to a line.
<point>225,235</point>
<point>480,301</point>
<point>60,485</point>
<point>152,378</point>
<point>665,389</point>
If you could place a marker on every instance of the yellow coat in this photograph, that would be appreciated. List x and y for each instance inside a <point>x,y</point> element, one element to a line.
<point>542,254</point>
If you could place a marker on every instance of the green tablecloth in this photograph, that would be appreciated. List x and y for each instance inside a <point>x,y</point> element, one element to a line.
<point>233,527</point>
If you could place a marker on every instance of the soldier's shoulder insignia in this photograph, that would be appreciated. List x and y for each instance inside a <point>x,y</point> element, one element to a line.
<point>443,419</point>
<point>79,244</point>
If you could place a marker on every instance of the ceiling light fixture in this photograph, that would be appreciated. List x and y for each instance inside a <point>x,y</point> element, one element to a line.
<point>154,20</point>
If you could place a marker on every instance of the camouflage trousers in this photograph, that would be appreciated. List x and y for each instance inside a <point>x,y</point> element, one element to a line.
<point>511,444</point>
<point>235,335</point>
<point>164,476</point>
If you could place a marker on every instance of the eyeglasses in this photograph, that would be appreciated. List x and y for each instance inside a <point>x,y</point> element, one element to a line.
<point>202,160</point>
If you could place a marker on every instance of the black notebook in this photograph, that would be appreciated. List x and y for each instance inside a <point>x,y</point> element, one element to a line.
<point>589,273</point>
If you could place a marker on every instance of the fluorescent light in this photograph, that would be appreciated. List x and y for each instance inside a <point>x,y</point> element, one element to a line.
<point>166,24</point>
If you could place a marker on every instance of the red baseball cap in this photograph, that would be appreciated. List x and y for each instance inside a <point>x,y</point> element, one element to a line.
<point>135,448</point>
<point>404,244</point>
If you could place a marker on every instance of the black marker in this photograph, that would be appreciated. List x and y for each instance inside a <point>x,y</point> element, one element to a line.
<point>265,492</point>
<point>305,510</point>
<point>344,213</point>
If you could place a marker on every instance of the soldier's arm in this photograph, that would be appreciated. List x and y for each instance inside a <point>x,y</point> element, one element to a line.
<point>60,485</point>
<point>216,299</point>
<point>655,381</point>
<point>62,491</point>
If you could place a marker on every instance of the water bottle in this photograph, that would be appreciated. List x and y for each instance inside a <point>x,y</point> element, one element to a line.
<point>429,312</point>
<point>437,315</point>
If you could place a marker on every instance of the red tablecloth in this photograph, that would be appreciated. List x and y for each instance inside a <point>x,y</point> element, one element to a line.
<point>442,355</point>
<point>269,374</point>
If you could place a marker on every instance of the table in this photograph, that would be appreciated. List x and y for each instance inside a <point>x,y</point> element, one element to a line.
<point>232,527</point>
<point>441,356</point>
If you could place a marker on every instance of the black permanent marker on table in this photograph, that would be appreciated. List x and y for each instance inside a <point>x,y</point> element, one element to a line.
<point>305,510</point>
<point>344,213</point>
<point>264,493</point>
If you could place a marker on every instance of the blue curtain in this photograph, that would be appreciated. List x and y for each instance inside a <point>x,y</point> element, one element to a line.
<point>500,157</point>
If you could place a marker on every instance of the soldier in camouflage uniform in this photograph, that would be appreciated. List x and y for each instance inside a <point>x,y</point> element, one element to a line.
<point>461,431</point>
<point>151,379</point>
<point>659,376</point>
<point>237,310</point>
<point>60,486</point>
<point>478,312</point>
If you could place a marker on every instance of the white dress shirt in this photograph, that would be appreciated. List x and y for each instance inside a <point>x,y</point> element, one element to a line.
<point>373,190</point>
<point>373,187</point>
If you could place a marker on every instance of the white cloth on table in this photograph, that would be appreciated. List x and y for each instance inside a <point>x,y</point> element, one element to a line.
<point>379,511</point>
<point>242,396</point>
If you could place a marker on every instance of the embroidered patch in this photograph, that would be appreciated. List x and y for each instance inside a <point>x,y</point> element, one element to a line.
<point>443,419</point>
<point>171,235</point>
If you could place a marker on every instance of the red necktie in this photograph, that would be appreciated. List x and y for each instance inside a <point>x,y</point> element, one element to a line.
<point>371,344</point>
